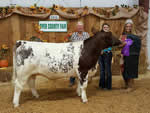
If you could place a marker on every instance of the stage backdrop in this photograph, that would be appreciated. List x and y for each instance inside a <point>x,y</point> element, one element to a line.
<point>22,24</point>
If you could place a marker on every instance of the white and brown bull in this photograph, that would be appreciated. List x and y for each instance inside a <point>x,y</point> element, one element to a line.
<point>57,60</point>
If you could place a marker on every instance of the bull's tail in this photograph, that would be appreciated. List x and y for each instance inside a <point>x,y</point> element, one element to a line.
<point>14,65</point>
<point>15,82</point>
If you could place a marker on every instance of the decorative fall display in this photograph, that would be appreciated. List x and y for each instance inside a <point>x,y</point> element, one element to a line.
<point>37,39</point>
<point>63,9</point>
<point>85,11</point>
<point>37,28</point>
<point>66,38</point>
<point>41,8</point>
<point>71,11</point>
<point>32,7</point>
<point>4,51</point>
<point>3,55</point>
<point>35,11</point>
<point>34,38</point>
<point>18,7</point>
<point>56,7</point>
<point>5,10</point>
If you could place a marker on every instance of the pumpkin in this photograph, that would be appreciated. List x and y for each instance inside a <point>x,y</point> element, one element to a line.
<point>4,63</point>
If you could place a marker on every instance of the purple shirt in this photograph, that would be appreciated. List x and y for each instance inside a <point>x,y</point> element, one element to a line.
<point>125,50</point>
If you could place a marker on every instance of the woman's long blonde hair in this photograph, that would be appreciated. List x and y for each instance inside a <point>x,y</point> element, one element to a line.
<point>129,21</point>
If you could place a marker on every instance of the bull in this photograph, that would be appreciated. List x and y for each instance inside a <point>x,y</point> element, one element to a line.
<point>57,60</point>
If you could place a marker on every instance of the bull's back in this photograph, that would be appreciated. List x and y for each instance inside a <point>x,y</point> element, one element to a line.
<point>48,58</point>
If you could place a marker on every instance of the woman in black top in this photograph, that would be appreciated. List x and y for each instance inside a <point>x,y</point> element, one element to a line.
<point>130,71</point>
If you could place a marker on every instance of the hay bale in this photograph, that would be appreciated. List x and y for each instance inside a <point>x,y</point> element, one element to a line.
<point>5,74</point>
<point>142,62</point>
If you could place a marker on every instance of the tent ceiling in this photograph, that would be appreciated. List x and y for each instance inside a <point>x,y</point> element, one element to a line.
<point>69,3</point>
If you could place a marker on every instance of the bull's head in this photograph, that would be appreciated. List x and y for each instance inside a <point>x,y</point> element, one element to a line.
<point>110,39</point>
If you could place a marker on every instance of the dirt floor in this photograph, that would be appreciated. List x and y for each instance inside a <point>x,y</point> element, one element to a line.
<point>57,97</point>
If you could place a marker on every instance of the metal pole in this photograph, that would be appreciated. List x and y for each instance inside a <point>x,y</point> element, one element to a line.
<point>148,38</point>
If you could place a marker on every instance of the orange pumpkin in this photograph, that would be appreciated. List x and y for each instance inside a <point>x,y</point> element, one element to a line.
<point>4,63</point>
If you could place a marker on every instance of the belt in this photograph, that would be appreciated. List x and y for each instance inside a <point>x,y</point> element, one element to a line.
<point>107,52</point>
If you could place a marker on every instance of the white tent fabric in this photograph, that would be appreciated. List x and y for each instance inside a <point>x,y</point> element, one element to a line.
<point>4,3</point>
<point>68,3</point>
<point>108,3</point>
<point>47,3</point>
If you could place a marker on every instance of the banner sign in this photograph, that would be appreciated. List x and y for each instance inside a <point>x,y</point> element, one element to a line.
<point>54,17</point>
<point>53,26</point>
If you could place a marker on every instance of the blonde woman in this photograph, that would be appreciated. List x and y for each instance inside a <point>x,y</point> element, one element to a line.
<point>130,52</point>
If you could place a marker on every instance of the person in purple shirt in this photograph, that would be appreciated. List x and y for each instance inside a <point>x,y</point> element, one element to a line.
<point>125,50</point>
<point>131,50</point>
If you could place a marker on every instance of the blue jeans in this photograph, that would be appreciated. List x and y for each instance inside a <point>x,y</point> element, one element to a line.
<point>72,80</point>
<point>105,70</point>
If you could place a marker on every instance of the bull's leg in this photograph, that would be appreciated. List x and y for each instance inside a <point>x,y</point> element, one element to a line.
<point>83,91</point>
<point>84,82</point>
<point>17,92</point>
<point>79,88</point>
<point>31,84</point>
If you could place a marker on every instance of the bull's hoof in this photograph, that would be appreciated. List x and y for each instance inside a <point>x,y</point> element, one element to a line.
<point>85,101</point>
<point>36,96</point>
<point>16,105</point>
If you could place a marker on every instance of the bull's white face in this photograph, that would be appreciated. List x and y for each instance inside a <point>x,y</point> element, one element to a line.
<point>45,58</point>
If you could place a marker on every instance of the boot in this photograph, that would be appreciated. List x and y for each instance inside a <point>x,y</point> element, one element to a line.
<point>126,83</point>
<point>130,85</point>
